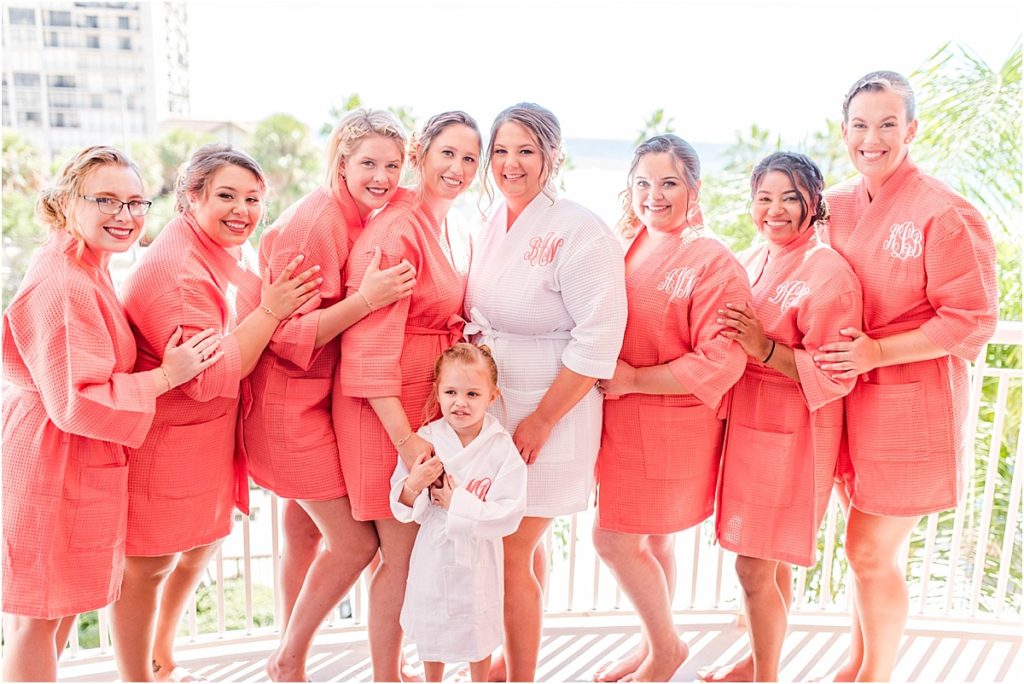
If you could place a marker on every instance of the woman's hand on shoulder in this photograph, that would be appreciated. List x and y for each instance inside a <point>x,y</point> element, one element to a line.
<point>849,359</point>
<point>379,288</point>
<point>184,361</point>
<point>741,324</point>
<point>282,297</point>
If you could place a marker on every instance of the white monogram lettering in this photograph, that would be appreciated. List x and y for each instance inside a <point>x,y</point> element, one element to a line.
<point>904,241</point>
<point>678,283</point>
<point>790,293</point>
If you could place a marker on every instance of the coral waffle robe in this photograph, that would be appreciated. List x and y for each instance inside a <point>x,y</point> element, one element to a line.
<point>925,259</point>
<point>70,407</point>
<point>289,437</point>
<point>545,293</point>
<point>453,607</point>
<point>660,454</point>
<point>186,477</point>
<point>391,352</point>
<point>782,436</point>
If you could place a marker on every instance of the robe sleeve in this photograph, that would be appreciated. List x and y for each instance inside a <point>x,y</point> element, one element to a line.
<point>194,306</point>
<point>295,338</point>
<point>593,285</point>
<point>960,263</point>
<point>501,513</point>
<point>820,319</point>
<point>420,509</point>
<point>61,334</point>
<point>715,363</point>
<point>371,349</point>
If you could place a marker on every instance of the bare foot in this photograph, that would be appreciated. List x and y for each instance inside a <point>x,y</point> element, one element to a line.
<point>408,673</point>
<point>847,673</point>
<point>280,669</point>
<point>615,670</point>
<point>172,672</point>
<point>498,671</point>
<point>740,671</point>
<point>661,669</point>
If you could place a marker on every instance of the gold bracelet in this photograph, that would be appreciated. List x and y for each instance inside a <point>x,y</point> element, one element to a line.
<point>365,300</point>
<point>404,439</point>
<point>167,378</point>
<point>270,312</point>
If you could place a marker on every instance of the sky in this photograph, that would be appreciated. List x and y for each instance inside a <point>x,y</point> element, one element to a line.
<point>602,67</point>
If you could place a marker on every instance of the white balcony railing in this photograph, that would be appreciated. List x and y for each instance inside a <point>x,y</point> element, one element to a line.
<point>961,565</point>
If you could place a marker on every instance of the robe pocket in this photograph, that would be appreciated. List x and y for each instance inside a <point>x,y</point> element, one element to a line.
<point>759,467</point>
<point>194,459</point>
<point>100,508</point>
<point>305,415</point>
<point>887,423</point>
<point>467,593</point>
<point>513,406</point>
<point>679,442</point>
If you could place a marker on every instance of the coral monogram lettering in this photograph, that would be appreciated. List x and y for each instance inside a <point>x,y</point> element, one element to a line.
<point>678,283</point>
<point>543,249</point>
<point>790,293</point>
<point>479,488</point>
<point>904,240</point>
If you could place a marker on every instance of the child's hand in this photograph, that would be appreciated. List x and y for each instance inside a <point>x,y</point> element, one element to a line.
<point>425,470</point>
<point>443,495</point>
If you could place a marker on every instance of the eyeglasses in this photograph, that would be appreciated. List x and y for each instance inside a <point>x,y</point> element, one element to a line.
<point>113,207</point>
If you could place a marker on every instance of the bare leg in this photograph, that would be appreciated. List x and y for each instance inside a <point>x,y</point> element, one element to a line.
<point>348,547</point>
<point>848,672</point>
<point>180,586</point>
<point>133,616</point>
<point>642,578</point>
<point>743,669</point>
<point>387,593</point>
<point>480,670</point>
<point>523,600</point>
<point>766,609</point>
<point>300,544</point>
<point>662,546</point>
<point>873,545</point>
<point>540,571</point>
<point>63,632</point>
<point>30,652</point>
<point>433,671</point>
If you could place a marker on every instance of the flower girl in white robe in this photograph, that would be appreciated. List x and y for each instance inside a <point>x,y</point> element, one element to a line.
<point>466,496</point>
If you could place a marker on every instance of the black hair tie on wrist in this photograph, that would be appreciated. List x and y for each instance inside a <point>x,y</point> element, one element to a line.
<point>770,353</point>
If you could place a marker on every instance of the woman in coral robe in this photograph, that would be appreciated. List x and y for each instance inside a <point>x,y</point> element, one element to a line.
<point>387,359</point>
<point>662,437</point>
<point>189,474</point>
<point>785,413</point>
<point>926,261</point>
<point>71,406</point>
<point>546,294</point>
<point>290,442</point>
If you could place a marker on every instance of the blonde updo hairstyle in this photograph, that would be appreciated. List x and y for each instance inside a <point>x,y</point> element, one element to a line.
<point>467,354</point>
<point>58,204</point>
<point>687,164</point>
<point>546,131</point>
<point>194,181</point>
<point>350,131</point>
<point>882,81</point>
<point>421,140</point>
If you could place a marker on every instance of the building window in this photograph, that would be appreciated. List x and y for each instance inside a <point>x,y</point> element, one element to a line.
<point>61,81</point>
<point>63,120</point>
<point>90,21</point>
<point>124,22</point>
<point>59,18</point>
<point>26,80</point>
<point>92,42</point>
<point>29,118</point>
<point>22,16</point>
<point>125,43</point>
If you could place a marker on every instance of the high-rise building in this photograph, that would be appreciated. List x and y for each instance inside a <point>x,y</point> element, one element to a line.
<point>82,73</point>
